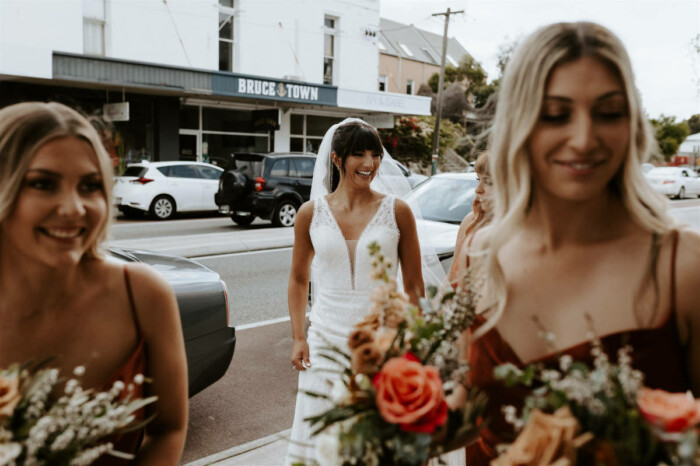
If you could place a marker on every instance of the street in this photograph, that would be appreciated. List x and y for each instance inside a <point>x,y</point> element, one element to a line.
<point>256,397</point>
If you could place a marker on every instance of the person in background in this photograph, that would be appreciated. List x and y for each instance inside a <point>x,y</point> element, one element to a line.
<point>479,217</point>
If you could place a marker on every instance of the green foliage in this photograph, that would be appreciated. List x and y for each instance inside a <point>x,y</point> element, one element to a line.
<point>694,123</point>
<point>411,138</point>
<point>669,134</point>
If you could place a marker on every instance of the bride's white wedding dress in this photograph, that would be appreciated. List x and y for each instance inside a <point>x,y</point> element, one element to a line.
<point>342,288</point>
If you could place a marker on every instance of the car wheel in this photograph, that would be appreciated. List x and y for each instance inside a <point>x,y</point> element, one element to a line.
<point>285,213</point>
<point>162,207</point>
<point>681,193</point>
<point>243,220</point>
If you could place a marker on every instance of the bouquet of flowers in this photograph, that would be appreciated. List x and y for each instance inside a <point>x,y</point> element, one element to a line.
<point>601,415</point>
<point>38,427</point>
<point>390,397</point>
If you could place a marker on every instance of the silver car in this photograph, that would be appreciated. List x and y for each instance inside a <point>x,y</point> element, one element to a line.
<point>210,337</point>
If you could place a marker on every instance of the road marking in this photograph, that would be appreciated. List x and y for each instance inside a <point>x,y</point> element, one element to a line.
<point>260,251</point>
<point>240,449</point>
<point>262,323</point>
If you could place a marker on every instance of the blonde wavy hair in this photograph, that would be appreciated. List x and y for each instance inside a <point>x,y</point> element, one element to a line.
<point>26,127</point>
<point>519,105</point>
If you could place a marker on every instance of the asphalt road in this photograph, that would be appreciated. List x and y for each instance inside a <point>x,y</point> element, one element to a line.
<point>256,282</point>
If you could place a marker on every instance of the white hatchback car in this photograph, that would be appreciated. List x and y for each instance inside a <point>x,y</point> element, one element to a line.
<point>163,188</point>
<point>678,182</point>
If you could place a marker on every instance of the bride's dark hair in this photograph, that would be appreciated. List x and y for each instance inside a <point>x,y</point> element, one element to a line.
<point>350,138</point>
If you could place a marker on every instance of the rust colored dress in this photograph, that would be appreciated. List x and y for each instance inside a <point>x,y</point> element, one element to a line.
<point>657,352</point>
<point>136,364</point>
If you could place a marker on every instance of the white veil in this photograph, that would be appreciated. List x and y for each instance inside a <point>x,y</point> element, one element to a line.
<point>389,180</point>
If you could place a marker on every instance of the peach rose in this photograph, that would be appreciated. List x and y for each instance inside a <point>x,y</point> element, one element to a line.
<point>9,395</point>
<point>366,359</point>
<point>370,322</point>
<point>547,439</point>
<point>673,412</point>
<point>384,338</point>
<point>410,394</point>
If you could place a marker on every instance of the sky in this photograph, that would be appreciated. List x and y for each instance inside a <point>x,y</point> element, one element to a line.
<point>657,34</point>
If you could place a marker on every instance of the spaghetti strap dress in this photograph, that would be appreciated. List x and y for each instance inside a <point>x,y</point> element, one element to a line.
<point>135,364</point>
<point>657,353</point>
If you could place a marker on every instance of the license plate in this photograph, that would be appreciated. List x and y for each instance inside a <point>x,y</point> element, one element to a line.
<point>224,209</point>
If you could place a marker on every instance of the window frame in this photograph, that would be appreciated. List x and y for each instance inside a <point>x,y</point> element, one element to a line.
<point>231,12</point>
<point>410,83</point>
<point>383,80</point>
<point>333,33</point>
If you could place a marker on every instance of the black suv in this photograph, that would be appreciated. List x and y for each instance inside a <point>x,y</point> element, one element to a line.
<point>269,186</point>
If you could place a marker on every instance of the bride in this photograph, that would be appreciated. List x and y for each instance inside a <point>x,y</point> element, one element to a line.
<point>353,203</point>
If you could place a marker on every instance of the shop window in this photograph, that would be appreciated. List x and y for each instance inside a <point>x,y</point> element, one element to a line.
<point>296,144</point>
<point>329,36</point>
<point>225,120</point>
<point>189,117</point>
<point>308,130</point>
<point>297,124</point>
<point>410,87</point>
<point>382,83</point>
<point>226,15</point>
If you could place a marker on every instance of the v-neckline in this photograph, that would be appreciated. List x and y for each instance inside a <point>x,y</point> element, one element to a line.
<point>335,221</point>
<point>352,264</point>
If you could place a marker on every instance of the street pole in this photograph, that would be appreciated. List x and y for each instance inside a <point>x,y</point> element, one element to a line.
<point>436,131</point>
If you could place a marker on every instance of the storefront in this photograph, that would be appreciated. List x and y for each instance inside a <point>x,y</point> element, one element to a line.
<point>161,112</point>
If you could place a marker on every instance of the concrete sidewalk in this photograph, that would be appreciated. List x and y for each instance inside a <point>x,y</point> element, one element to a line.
<point>213,243</point>
<point>267,451</point>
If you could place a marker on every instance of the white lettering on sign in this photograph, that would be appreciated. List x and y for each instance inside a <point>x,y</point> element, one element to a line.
<point>272,89</point>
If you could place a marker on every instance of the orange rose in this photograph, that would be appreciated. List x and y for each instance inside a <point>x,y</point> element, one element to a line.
<point>673,412</point>
<point>9,395</point>
<point>410,394</point>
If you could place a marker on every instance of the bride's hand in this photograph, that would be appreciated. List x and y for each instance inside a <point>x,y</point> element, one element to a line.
<point>300,355</point>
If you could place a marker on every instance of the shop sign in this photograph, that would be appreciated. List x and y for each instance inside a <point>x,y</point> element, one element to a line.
<point>270,89</point>
<point>266,120</point>
<point>116,112</point>
<point>380,121</point>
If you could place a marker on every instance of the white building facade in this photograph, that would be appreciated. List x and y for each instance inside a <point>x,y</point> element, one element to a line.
<point>199,79</point>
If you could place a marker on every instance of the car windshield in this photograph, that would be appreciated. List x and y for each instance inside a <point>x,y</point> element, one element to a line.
<point>445,199</point>
<point>665,171</point>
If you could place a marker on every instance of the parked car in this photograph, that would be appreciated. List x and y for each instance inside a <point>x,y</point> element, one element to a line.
<point>414,179</point>
<point>675,182</point>
<point>444,200</point>
<point>164,188</point>
<point>210,337</point>
<point>270,186</point>
<point>646,167</point>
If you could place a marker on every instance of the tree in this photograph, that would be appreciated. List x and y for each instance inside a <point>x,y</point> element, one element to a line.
<point>471,77</point>
<point>669,134</point>
<point>694,123</point>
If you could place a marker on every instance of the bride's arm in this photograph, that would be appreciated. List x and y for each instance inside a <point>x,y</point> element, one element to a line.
<point>409,252</point>
<point>298,288</point>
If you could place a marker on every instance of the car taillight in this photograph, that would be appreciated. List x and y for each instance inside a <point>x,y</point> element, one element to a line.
<point>141,180</point>
<point>229,323</point>
<point>259,183</point>
<point>668,182</point>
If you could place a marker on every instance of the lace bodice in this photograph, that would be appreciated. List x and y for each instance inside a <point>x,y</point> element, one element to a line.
<point>334,265</point>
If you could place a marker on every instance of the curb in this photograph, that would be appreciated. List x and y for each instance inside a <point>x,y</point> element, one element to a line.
<point>259,444</point>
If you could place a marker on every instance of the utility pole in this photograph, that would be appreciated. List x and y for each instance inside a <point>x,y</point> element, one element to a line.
<point>436,132</point>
